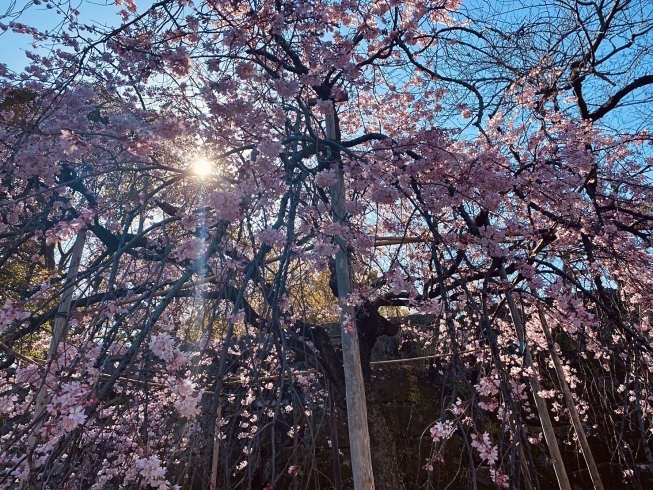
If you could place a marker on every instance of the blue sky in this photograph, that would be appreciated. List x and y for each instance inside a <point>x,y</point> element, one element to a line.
<point>13,46</point>
<point>105,12</point>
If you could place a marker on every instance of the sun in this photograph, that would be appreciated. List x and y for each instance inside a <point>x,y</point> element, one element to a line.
<point>202,167</point>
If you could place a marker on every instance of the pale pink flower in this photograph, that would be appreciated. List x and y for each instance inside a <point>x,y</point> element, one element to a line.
<point>486,451</point>
<point>179,62</point>
<point>246,70</point>
<point>75,418</point>
<point>285,88</point>
<point>152,472</point>
<point>442,430</point>
<point>325,178</point>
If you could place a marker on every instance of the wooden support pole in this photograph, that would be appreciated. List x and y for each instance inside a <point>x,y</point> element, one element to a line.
<point>58,335</point>
<point>359,438</point>
<point>571,406</point>
<point>540,403</point>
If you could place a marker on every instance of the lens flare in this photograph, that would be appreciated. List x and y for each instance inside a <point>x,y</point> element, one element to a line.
<point>202,167</point>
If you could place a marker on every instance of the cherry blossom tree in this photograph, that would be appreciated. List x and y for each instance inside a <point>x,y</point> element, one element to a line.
<point>169,201</point>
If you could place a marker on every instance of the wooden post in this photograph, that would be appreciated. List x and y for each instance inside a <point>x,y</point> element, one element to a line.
<point>359,438</point>
<point>571,406</point>
<point>542,410</point>
<point>58,335</point>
